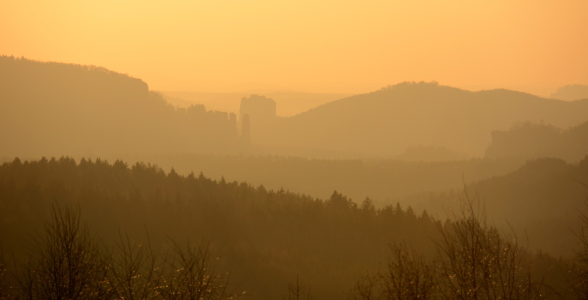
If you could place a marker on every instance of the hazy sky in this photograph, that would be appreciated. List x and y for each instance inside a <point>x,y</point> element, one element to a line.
<point>317,46</point>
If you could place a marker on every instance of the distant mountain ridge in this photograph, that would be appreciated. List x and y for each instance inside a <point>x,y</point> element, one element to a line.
<point>388,121</point>
<point>64,109</point>
<point>571,92</point>
<point>56,109</point>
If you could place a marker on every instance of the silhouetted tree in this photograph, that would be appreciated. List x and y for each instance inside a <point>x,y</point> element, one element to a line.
<point>4,287</point>
<point>189,274</point>
<point>298,290</point>
<point>477,262</point>
<point>579,273</point>
<point>368,287</point>
<point>474,261</point>
<point>408,276</point>
<point>136,270</point>
<point>67,263</point>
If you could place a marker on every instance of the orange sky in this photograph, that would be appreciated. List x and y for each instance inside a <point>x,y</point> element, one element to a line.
<point>317,46</point>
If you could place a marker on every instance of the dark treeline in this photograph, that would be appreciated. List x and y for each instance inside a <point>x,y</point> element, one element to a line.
<point>68,261</point>
<point>264,238</point>
<point>56,109</point>
<point>537,197</point>
<point>384,180</point>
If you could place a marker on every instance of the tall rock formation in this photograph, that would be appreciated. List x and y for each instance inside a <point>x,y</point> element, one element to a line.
<point>260,114</point>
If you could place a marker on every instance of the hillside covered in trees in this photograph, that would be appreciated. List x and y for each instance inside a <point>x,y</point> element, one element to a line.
<point>264,238</point>
<point>59,109</point>
<point>384,180</point>
<point>540,200</point>
<point>535,140</point>
<point>387,122</point>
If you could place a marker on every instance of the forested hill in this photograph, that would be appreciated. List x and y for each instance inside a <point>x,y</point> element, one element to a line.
<point>265,238</point>
<point>541,200</point>
<point>388,121</point>
<point>64,109</point>
<point>534,140</point>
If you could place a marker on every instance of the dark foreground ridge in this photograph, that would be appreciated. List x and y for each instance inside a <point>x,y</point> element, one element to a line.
<point>262,238</point>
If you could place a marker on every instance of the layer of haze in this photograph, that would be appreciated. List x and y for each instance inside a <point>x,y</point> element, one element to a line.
<point>313,46</point>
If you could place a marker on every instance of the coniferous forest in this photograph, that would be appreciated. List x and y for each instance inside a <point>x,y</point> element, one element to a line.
<point>413,191</point>
<point>136,229</point>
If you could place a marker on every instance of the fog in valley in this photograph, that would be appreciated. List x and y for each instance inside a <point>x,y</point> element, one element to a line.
<point>250,156</point>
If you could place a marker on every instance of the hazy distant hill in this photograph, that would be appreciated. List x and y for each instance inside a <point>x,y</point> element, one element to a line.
<point>430,154</point>
<point>534,140</point>
<point>383,180</point>
<point>542,201</point>
<point>64,109</point>
<point>388,121</point>
<point>571,92</point>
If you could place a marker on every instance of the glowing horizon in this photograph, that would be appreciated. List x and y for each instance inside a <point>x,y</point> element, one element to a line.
<point>316,46</point>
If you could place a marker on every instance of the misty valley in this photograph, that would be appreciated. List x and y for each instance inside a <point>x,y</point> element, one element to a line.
<point>413,191</point>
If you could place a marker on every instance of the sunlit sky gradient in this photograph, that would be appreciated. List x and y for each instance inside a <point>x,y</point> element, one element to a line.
<point>317,46</point>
